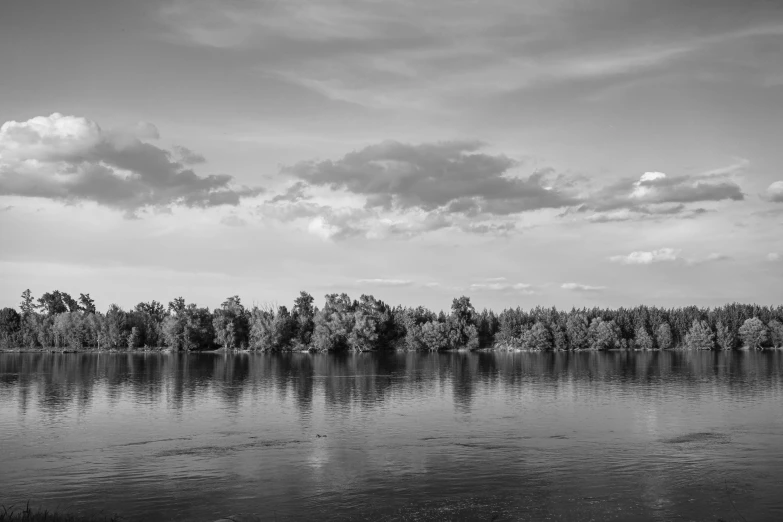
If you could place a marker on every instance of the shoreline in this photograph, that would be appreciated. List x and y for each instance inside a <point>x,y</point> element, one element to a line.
<point>496,349</point>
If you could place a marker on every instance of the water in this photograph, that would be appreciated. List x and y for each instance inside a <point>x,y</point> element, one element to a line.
<point>456,436</point>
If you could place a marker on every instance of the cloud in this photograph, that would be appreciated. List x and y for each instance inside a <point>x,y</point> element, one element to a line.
<point>656,195</point>
<point>405,190</point>
<point>645,258</point>
<point>773,257</point>
<point>233,221</point>
<point>774,192</point>
<point>377,53</point>
<point>522,288</point>
<point>294,193</point>
<point>451,177</point>
<point>385,282</point>
<point>188,157</point>
<point>576,287</point>
<point>70,158</point>
<point>665,255</point>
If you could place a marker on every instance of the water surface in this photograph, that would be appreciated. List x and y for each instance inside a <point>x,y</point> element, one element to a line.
<point>471,436</point>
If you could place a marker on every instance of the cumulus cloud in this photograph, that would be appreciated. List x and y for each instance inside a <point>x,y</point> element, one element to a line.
<point>452,177</point>
<point>642,257</point>
<point>71,158</point>
<point>577,287</point>
<point>774,192</point>
<point>454,184</point>
<point>657,193</point>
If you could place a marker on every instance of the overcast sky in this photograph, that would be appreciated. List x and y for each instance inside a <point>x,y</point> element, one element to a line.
<point>568,153</point>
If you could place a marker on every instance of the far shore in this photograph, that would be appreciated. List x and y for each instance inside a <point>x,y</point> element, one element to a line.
<point>403,350</point>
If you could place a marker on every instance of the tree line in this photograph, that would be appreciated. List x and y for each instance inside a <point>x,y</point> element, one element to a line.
<point>57,320</point>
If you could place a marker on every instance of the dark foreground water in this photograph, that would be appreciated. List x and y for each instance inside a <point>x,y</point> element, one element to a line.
<point>524,436</point>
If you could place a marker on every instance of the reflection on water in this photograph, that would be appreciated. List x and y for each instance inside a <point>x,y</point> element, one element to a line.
<point>501,436</point>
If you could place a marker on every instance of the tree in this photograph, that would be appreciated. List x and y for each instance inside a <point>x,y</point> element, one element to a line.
<point>10,326</point>
<point>603,335</point>
<point>134,338</point>
<point>753,333</point>
<point>333,324</point>
<point>539,337</point>
<point>373,326</point>
<point>86,303</point>
<point>776,333</point>
<point>724,337</point>
<point>188,327</point>
<point>27,305</point>
<point>577,331</point>
<point>270,331</point>
<point>700,336</point>
<point>643,339</point>
<point>116,331</point>
<point>304,319</point>
<point>231,324</point>
<point>663,336</point>
<point>462,331</point>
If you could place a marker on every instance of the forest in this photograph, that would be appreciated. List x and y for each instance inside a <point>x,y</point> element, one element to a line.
<point>58,321</point>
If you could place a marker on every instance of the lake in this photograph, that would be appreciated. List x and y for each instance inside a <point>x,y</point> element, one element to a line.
<point>396,436</point>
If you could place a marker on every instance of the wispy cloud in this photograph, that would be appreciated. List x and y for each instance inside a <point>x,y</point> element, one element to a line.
<point>377,53</point>
<point>642,257</point>
<point>385,282</point>
<point>577,287</point>
<point>522,288</point>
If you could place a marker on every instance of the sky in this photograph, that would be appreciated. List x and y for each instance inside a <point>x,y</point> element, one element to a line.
<point>556,153</point>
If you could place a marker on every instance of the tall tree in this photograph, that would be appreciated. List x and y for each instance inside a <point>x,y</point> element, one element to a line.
<point>27,305</point>
<point>86,303</point>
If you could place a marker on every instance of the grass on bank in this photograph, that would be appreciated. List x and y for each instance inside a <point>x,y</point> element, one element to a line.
<point>14,514</point>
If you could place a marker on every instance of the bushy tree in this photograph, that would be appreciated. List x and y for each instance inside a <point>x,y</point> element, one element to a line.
<point>270,330</point>
<point>643,340</point>
<point>333,324</point>
<point>603,335</point>
<point>188,327</point>
<point>724,337</point>
<point>700,336</point>
<point>373,325</point>
<point>538,337</point>
<point>10,327</point>
<point>577,331</point>
<point>462,331</point>
<point>231,324</point>
<point>753,333</point>
<point>776,333</point>
<point>663,336</point>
